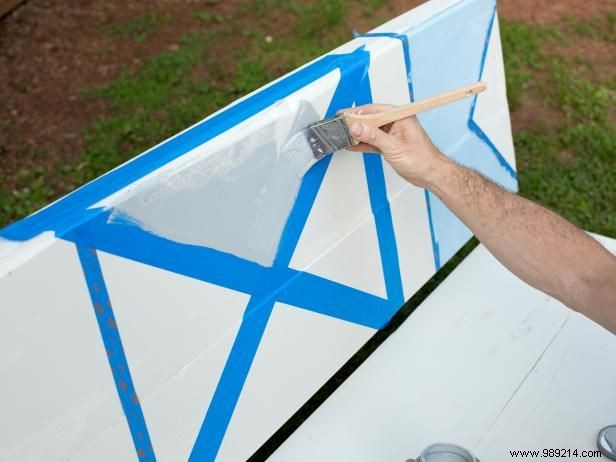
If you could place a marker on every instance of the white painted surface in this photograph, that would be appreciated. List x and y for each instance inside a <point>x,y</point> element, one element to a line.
<point>191,326</point>
<point>318,93</point>
<point>567,397</point>
<point>300,351</point>
<point>115,444</point>
<point>57,392</point>
<point>14,254</point>
<point>237,195</point>
<point>183,317</point>
<point>486,362</point>
<point>339,225</point>
<point>391,87</point>
<point>175,411</point>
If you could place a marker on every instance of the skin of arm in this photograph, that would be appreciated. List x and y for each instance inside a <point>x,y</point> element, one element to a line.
<point>539,246</point>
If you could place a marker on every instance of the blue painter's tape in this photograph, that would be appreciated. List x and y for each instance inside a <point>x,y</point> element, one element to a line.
<point>435,246</point>
<point>320,295</point>
<point>203,263</point>
<point>472,124</point>
<point>379,203</point>
<point>287,285</point>
<point>373,165</point>
<point>486,45</point>
<point>115,352</point>
<point>232,381</point>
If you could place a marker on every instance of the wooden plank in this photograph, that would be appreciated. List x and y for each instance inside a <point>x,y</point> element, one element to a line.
<point>7,5</point>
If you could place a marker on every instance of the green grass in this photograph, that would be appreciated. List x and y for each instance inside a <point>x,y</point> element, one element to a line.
<point>602,26</point>
<point>139,28</point>
<point>567,164</point>
<point>209,17</point>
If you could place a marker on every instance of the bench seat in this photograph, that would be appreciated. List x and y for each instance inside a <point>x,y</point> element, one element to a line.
<point>487,362</point>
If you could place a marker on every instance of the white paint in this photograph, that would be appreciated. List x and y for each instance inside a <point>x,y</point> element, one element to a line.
<point>566,399</point>
<point>312,92</point>
<point>492,110</point>
<point>236,199</point>
<point>183,316</point>
<point>57,391</point>
<point>229,195</point>
<point>299,352</point>
<point>444,375</point>
<point>339,240</point>
<point>115,444</point>
<point>298,153</point>
<point>390,86</point>
<point>568,396</point>
<point>175,411</point>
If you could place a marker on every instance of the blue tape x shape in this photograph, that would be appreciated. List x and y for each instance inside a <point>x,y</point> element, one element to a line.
<point>267,285</point>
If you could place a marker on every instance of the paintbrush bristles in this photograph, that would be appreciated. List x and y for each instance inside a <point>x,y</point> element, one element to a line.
<point>298,153</point>
<point>317,140</point>
<point>329,135</point>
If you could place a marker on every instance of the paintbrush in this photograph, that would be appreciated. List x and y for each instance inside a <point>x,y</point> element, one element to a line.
<point>320,138</point>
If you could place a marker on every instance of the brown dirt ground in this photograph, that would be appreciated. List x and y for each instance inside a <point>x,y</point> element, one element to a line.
<point>51,52</point>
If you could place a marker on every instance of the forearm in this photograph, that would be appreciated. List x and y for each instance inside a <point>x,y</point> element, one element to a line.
<point>537,245</point>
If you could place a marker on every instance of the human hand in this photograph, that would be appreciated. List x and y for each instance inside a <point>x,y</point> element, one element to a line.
<point>404,145</point>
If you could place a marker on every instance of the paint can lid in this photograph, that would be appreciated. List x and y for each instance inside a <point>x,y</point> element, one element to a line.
<point>606,441</point>
<point>445,452</point>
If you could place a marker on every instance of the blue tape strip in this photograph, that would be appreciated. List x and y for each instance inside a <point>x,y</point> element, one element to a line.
<point>435,246</point>
<point>373,165</point>
<point>115,352</point>
<point>229,387</point>
<point>232,381</point>
<point>289,286</point>
<point>379,203</point>
<point>407,60</point>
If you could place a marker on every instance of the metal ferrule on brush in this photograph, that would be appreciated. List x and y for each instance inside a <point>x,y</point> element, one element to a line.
<point>328,135</point>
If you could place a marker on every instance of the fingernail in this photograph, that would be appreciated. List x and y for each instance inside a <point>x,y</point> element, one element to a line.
<point>356,129</point>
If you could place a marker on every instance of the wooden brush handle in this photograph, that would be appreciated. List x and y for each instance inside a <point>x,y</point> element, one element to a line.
<point>378,119</point>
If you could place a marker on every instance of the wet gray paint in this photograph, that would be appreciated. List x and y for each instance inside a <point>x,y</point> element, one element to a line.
<point>235,199</point>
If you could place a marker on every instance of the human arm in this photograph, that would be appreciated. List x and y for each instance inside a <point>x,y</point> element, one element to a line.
<point>536,244</point>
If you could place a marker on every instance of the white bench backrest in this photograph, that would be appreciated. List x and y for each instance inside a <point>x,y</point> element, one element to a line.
<point>189,302</point>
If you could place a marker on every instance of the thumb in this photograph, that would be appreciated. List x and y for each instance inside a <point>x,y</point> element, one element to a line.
<point>376,137</point>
